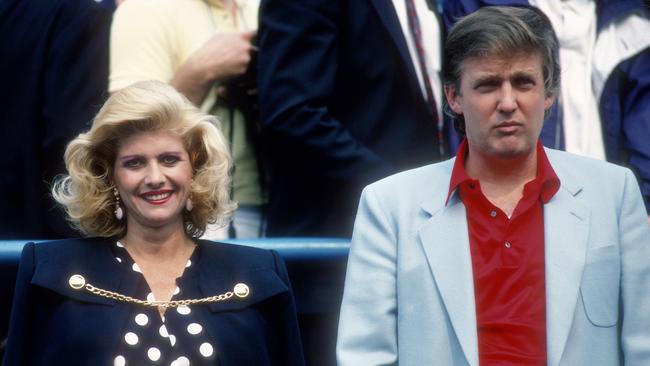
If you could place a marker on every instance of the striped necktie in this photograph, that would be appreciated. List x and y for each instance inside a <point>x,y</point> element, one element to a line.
<point>414,26</point>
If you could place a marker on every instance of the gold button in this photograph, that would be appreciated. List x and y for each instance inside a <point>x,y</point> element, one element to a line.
<point>77,281</point>
<point>241,290</point>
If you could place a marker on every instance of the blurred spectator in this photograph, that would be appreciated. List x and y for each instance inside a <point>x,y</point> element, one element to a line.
<point>605,94</point>
<point>349,93</point>
<point>203,48</point>
<point>109,4</point>
<point>54,68</point>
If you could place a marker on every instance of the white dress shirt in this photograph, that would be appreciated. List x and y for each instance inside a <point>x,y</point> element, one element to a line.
<point>430,28</point>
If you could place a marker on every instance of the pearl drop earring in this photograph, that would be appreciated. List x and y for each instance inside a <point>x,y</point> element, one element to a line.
<point>119,214</point>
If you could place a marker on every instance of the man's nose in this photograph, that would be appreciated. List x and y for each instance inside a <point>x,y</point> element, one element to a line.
<point>507,99</point>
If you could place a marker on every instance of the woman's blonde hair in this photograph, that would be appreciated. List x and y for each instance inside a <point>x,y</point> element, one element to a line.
<point>87,191</point>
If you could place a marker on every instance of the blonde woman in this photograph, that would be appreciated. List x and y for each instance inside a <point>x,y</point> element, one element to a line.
<point>205,49</point>
<point>141,289</point>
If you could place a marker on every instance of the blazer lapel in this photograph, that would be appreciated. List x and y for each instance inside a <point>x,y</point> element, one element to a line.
<point>100,259</point>
<point>445,241</point>
<point>388,15</point>
<point>566,229</point>
<point>93,259</point>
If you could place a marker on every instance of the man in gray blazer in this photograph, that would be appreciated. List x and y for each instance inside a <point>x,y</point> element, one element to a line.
<point>510,253</point>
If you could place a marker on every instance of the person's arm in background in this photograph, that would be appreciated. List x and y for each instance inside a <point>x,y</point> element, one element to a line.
<point>143,48</point>
<point>223,56</point>
<point>634,104</point>
<point>298,61</point>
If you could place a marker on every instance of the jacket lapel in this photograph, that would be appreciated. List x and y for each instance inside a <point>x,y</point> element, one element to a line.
<point>100,260</point>
<point>445,241</point>
<point>566,229</point>
<point>93,259</point>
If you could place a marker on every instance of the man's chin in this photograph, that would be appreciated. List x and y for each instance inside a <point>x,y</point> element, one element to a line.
<point>513,152</point>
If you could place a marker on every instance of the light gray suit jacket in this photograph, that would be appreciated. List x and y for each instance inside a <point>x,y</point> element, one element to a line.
<point>409,293</point>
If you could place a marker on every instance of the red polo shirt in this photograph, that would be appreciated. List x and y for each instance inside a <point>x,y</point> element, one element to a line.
<point>508,266</point>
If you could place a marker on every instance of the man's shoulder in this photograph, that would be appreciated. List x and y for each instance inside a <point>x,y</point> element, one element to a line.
<point>564,162</point>
<point>598,180</point>
<point>411,188</point>
<point>427,175</point>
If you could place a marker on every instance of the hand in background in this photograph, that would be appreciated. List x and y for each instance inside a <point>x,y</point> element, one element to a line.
<point>223,56</point>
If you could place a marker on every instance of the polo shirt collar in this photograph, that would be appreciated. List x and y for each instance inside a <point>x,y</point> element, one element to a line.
<point>546,176</point>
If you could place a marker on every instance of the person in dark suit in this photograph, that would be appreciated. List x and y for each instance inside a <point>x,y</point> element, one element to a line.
<point>343,102</point>
<point>144,181</point>
<point>54,74</point>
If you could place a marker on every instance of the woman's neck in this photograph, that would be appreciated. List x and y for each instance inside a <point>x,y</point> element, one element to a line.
<point>156,242</point>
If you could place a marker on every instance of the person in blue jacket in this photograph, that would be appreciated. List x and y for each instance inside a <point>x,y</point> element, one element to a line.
<point>605,96</point>
<point>142,289</point>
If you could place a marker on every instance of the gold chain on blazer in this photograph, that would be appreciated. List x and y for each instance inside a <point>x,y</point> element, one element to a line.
<point>78,282</point>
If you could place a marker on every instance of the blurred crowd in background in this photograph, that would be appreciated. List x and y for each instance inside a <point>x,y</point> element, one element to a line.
<point>317,98</point>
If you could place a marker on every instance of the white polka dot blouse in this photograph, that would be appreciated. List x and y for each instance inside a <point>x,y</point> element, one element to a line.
<point>177,339</point>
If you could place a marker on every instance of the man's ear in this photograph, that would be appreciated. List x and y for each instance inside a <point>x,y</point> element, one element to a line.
<point>549,102</point>
<point>452,99</point>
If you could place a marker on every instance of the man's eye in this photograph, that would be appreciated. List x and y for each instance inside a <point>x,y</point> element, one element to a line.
<point>484,87</point>
<point>525,83</point>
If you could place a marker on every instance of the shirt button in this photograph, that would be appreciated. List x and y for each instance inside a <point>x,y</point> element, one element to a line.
<point>493,213</point>
<point>507,244</point>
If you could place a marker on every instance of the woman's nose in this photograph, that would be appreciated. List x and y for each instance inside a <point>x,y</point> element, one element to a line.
<point>155,176</point>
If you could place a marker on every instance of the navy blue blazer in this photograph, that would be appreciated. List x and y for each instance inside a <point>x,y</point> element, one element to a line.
<point>52,324</point>
<point>340,107</point>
